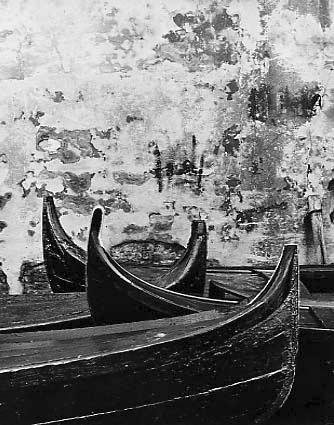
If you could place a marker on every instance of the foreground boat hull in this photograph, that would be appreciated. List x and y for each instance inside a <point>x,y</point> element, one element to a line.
<point>205,368</point>
<point>222,385</point>
<point>202,408</point>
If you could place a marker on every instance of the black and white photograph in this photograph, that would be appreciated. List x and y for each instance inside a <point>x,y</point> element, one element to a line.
<point>167,212</point>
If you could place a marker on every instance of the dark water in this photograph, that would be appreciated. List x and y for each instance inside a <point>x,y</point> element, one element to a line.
<point>315,413</point>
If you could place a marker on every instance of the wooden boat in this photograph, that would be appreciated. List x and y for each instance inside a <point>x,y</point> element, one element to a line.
<point>115,295</point>
<point>235,368</point>
<point>65,261</point>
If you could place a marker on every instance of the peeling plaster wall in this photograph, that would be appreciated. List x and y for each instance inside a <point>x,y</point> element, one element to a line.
<point>162,111</point>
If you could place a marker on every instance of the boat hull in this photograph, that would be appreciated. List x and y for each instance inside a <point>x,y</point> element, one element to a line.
<point>116,296</point>
<point>202,408</point>
<point>235,368</point>
<point>64,260</point>
<point>213,379</point>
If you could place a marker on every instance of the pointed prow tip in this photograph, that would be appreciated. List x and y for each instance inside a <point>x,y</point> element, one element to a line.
<point>199,227</point>
<point>96,222</point>
<point>290,248</point>
<point>48,200</point>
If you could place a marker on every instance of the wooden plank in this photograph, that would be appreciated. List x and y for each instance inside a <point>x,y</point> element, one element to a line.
<point>318,302</point>
<point>325,315</point>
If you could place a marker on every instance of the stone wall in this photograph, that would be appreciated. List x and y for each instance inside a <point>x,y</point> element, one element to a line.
<point>162,111</point>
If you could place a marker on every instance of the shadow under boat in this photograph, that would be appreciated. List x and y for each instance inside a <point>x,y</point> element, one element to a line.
<point>233,368</point>
<point>65,261</point>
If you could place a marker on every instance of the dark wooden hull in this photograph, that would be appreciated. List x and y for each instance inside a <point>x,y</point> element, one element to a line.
<point>315,361</point>
<point>204,368</point>
<point>115,295</point>
<point>65,261</point>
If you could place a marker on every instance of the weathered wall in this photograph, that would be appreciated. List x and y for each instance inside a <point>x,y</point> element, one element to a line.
<point>163,110</point>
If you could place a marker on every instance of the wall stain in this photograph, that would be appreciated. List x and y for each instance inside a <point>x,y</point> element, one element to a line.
<point>4,199</point>
<point>131,118</point>
<point>193,42</point>
<point>246,219</point>
<point>157,171</point>
<point>229,141</point>
<point>57,97</point>
<point>78,183</point>
<point>34,117</point>
<point>124,177</point>
<point>147,252</point>
<point>132,229</point>
<point>116,201</point>
<point>179,172</point>
<point>70,140</point>
<point>306,102</point>
<point>259,103</point>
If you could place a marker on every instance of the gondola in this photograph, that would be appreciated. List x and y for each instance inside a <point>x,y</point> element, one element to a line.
<point>65,261</point>
<point>115,295</point>
<point>235,368</point>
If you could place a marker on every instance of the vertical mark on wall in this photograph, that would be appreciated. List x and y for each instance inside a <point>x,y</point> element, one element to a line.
<point>158,169</point>
<point>259,103</point>
<point>193,149</point>
<point>200,173</point>
<point>170,171</point>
